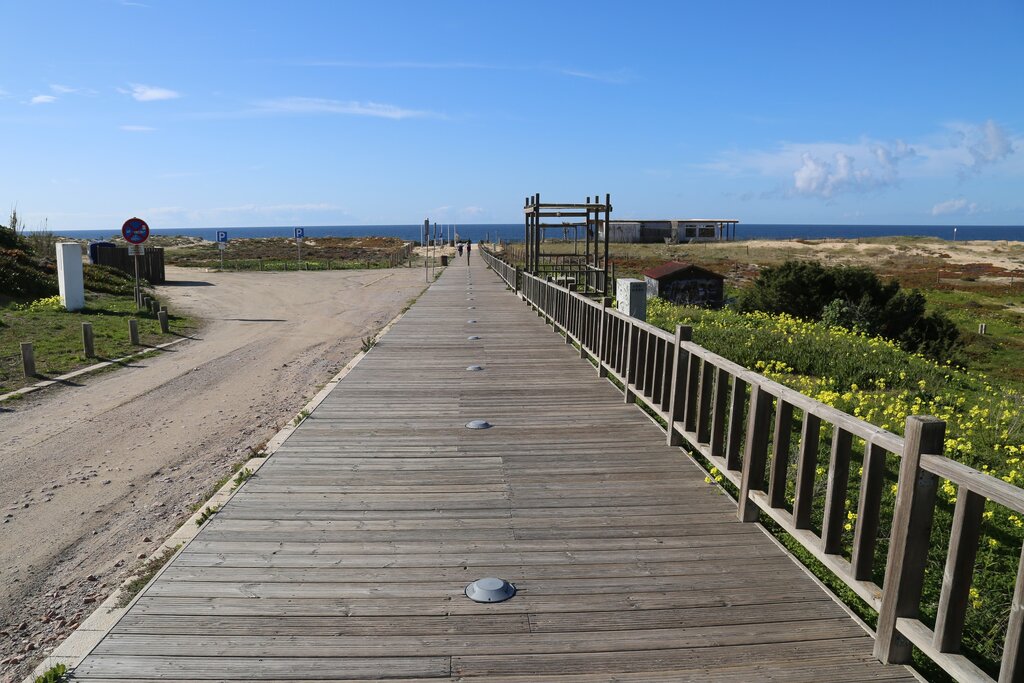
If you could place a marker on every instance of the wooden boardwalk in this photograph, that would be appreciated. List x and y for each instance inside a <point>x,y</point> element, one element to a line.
<point>346,556</point>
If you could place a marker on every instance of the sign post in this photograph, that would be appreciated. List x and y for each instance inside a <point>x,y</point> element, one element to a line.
<point>222,244</point>
<point>135,231</point>
<point>299,235</point>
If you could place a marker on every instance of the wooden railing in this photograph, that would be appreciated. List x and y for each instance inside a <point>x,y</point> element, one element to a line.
<point>744,424</point>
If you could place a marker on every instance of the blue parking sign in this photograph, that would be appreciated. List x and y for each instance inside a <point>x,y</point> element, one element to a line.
<point>299,233</point>
<point>222,235</point>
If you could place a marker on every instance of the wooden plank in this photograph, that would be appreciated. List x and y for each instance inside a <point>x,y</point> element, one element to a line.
<point>835,492</point>
<point>803,501</point>
<point>346,556</point>
<point>956,579</point>
<point>780,454</point>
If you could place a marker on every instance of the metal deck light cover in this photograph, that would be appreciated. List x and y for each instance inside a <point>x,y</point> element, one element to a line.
<point>475,368</point>
<point>470,321</point>
<point>490,590</point>
<point>479,424</point>
<point>472,338</point>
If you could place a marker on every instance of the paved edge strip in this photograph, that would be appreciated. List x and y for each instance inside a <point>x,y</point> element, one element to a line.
<point>86,370</point>
<point>73,649</point>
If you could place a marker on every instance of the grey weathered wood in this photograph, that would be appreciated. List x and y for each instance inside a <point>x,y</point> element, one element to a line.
<point>865,534</point>
<point>28,359</point>
<point>737,405</point>
<point>806,469</point>
<point>346,556</point>
<point>677,397</point>
<point>755,453</point>
<point>835,492</point>
<point>690,407</point>
<point>88,345</point>
<point>911,531</point>
<point>1012,667</point>
<point>780,454</point>
<point>956,578</point>
<point>133,331</point>
<point>719,414</point>
<point>162,316</point>
<point>704,408</point>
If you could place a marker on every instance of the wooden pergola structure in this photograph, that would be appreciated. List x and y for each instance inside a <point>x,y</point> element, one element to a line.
<point>586,269</point>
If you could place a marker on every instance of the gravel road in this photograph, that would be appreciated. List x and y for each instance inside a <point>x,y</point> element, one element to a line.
<point>94,476</point>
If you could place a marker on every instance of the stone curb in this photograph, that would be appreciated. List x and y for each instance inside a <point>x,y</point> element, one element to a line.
<point>90,632</point>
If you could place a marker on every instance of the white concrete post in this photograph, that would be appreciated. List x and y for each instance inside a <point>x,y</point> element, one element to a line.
<point>70,277</point>
<point>632,297</point>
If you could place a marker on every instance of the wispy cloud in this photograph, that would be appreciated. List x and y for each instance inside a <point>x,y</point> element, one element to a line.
<point>62,89</point>
<point>42,99</point>
<point>149,93</point>
<point>353,64</point>
<point>137,129</point>
<point>954,206</point>
<point>616,77</point>
<point>828,169</point>
<point>317,105</point>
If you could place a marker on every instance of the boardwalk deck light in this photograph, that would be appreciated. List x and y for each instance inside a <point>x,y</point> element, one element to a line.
<point>473,338</point>
<point>470,321</point>
<point>474,368</point>
<point>478,424</point>
<point>490,590</point>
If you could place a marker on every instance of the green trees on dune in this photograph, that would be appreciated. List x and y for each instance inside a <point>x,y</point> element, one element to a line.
<point>857,299</point>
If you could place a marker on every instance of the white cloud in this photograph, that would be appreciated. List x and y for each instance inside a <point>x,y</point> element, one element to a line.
<point>42,99</point>
<point>62,89</point>
<point>986,144</point>
<point>828,169</point>
<point>137,129</point>
<point>316,105</point>
<point>149,93</point>
<point>951,206</point>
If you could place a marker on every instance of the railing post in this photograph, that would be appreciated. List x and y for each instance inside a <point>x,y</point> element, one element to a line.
<point>756,453</point>
<point>627,371</point>
<point>1012,667</point>
<point>676,398</point>
<point>909,541</point>
<point>602,367</point>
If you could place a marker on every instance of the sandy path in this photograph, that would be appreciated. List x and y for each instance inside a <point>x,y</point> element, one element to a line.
<point>92,476</point>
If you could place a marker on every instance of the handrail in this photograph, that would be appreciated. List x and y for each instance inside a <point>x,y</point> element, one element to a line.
<point>743,423</point>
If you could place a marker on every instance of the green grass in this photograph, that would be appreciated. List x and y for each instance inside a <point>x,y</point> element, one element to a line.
<point>56,336</point>
<point>1000,353</point>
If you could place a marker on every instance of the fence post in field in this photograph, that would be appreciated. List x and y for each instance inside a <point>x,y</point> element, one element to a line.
<point>909,542</point>
<point>28,359</point>
<point>133,331</point>
<point>87,340</point>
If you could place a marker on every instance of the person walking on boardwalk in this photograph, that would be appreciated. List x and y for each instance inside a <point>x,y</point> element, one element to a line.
<point>469,246</point>
<point>460,248</point>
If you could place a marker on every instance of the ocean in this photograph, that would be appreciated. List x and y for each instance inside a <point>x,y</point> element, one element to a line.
<point>514,231</point>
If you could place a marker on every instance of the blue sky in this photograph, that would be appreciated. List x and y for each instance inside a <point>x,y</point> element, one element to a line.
<point>313,113</point>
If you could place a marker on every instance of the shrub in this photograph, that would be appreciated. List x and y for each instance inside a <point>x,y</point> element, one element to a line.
<point>856,299</point>
<point>22,277</point>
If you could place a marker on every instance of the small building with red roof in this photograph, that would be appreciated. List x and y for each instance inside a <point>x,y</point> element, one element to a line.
<point>686,284</point>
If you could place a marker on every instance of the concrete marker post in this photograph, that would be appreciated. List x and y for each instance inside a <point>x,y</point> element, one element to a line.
<point>133,331</point>
<point>87,340</point>
<point>162,316</point>
<point>28,359</point>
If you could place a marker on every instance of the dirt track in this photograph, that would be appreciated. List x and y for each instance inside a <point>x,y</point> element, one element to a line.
<point>94,475</point>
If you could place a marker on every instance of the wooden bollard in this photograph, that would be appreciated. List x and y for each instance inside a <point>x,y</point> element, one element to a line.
<point>87,340</point>
<point>133,331</point>
<point>162,316</point>
<point>145,303</point>
<point>28,359</point>
<point>154,306</point>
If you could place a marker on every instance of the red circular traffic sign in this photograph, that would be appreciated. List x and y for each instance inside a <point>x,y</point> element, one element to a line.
<point>135,231</point>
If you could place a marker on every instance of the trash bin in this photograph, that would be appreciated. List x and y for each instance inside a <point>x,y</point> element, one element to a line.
<point>444,259</point>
